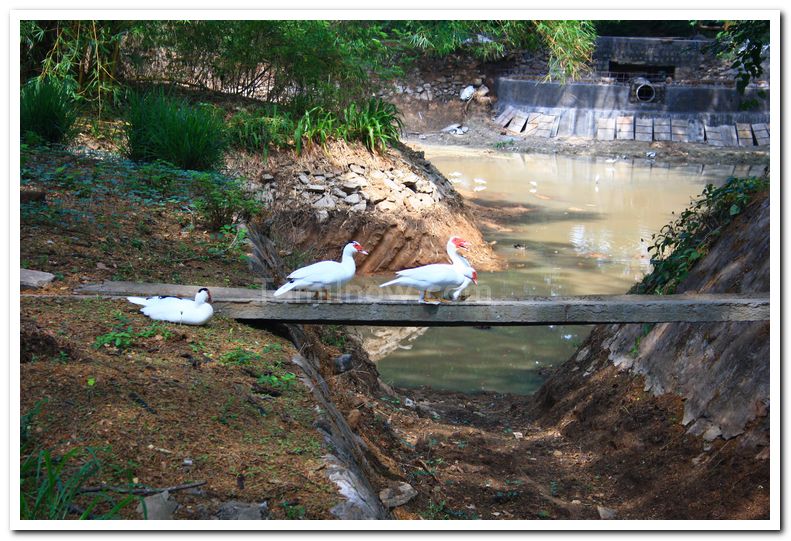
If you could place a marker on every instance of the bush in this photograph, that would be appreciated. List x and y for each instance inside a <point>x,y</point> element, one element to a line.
<point>169,129</point>
<point>376,124</point>
<point>260,131</point>
<point>47,111</point>
<point>221,200</point>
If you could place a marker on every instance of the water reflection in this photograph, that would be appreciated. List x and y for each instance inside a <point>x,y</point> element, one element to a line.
<point>566,226</point>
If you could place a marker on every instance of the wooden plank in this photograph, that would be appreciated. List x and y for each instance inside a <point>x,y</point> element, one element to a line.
<point>729,137</point>
<point>505,116</point>
<point>532,124</point>
<point>662,129</point>
<point>605,129</point>
<point>744,133</point>
<point>545,124</point>
<point>679,130</point>
<point>761,132</point>
<point>713,135</point>
<point>518,122</point>
<point>696,131</point>
<point>625,127</point>
<point>406,311</point>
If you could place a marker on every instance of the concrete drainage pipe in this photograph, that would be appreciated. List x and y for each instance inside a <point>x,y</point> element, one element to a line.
<point>643,90</point>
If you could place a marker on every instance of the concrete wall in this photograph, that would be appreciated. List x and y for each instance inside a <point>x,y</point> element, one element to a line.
<point>684,54</point>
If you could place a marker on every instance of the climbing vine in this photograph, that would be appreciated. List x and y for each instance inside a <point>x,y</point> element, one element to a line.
<point>679,244</point>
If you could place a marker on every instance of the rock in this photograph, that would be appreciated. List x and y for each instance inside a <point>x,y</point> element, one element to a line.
<point>359,169</point>
<point>386,206</point>
<point>319,178</point>
<point>424,186</point>
<point>157,507</point>
<point>304,179</point>
<point>322,216</point>
<point>324,202</point>
<point>337,192</point>
<point>343,363</point>
<point>393,497</point>
<point>354,184</point>
<point>411,180</point>
<point>467,93</point>
<point>353,199</point>
<point>482,90</point>
<point>354,418</point>
<point>393,185</point>
<point>316,188</point>
<point>267,177</point>
<point>102,266</point>
<point>557,453</point>
<point>408,402</point>
<point>576,502</point>
<point>450,128</point>
<point>33,279</point>
<point>374,194</point>
<point>234,510</point>
<point>359,207</point>
<point>464,129</point>
<point>477,81</point>
<point>605,512</point>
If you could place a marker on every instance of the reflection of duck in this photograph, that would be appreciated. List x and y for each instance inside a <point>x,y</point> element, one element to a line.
<point>520,246</point>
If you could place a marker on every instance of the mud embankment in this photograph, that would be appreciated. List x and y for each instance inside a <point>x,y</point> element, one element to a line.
<point>397,205</point>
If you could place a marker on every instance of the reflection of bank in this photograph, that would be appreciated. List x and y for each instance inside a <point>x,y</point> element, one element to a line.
<point>380,342</point>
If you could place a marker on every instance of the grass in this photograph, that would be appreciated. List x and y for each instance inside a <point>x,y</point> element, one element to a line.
<point>165,128</point>
<point>46,111</point>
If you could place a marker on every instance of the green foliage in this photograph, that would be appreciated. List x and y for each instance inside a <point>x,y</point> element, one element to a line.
<point>260,131</point>
<point>120,339</point>
<point>239,357</point>
<point>221,200</point>
<point>46,110</point>
<point>571,45</point>
<point>169,129</point>
<point>441,511</point>
<point>681,243</point>
<point>51,487</point>
<point>746,44</point>
<point>333,335</point>
<point>284,381</point>
<point>294,511</point>
<point>84,56</point>
<point>376,124</point>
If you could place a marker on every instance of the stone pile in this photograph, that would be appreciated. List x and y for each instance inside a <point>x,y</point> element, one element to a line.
<point>361,188</point>
<point>442,88</point>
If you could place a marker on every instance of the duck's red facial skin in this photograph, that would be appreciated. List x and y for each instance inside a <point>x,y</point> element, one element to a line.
<point>359,248</point>
<point>460,243</point>
<point>475,277</point>
<point>208,294</point>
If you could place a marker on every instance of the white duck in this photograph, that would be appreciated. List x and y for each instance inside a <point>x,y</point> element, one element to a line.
<point>438,276</point>
<point>324,275</point>
<point>176,310</point>
<point>472,276</point>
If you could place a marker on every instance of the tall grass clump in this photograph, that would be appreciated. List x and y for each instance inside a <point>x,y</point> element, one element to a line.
<point>376,124</point>
<point>261,131</point>
<point>160,127</point>
<point>47,111</point>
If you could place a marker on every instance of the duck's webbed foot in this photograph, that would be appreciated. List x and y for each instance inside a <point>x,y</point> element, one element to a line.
<point>423,300</point>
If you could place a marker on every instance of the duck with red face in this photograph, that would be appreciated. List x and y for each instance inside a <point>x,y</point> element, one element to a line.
<point>439,277</point>
<point>324,275</point>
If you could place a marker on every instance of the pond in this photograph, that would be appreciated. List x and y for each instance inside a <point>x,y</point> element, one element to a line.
<point>566,226</point>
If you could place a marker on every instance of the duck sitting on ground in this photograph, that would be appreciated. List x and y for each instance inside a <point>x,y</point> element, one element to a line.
<point>177,310</point>
<point>324,275</point>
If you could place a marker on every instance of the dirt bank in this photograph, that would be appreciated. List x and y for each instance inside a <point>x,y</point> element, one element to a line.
<point>397,205</point>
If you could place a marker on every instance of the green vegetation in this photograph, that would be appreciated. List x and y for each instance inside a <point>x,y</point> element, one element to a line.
<point>46,111</point>
<point>746,44</point>
<point>221,200</point>
<point>52,487</point>
<point>293,510</point>
<point>261,130</point>
<point>164,128</point>
<point>239,356</point>
<point>681,243</point>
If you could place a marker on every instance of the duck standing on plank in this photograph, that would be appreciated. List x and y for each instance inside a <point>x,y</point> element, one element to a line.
<point>176,310</point>
<point>438,277</point>
<point>324,275</point>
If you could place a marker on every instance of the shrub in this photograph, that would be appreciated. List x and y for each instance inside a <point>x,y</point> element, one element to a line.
<point>169,129</point>
<point>260,131</point>
<point>221,200</point>
<point>47,111</point>
<point>376,124</point>
<point>680,244</point>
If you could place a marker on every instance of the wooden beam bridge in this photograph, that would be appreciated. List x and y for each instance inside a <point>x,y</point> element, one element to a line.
<point>392,310</point>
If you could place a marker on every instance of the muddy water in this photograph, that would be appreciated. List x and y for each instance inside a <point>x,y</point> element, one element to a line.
<point>566,226</point>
